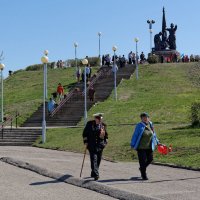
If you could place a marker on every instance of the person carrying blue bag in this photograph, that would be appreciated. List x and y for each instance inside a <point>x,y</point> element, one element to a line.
<point>144,141</point>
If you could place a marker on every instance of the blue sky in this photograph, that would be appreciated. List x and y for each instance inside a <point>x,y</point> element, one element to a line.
<point>28,27</point>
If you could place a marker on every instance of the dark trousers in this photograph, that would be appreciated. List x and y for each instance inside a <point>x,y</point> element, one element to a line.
<point>145,157</point>
<point>95,159</point>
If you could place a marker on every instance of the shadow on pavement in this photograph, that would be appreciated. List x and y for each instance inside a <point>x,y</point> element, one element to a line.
<point>181,179</point>
<point>59,180</point>
<point>120,180</point>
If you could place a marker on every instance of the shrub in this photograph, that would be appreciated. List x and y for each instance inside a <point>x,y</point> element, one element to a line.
<point>152,59</point>
<point>195,114</point>
<point>93,61</point>
<point>197,58</point>
<point>192,58</point>
<point>37,67</point>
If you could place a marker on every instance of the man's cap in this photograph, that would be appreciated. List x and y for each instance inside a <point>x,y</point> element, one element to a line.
<point>98,115</point>
<point>144,114</point>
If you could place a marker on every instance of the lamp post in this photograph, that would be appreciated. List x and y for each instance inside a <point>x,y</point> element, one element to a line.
<point>150,22</point>
<point>115,71</point>
<point>2,66</point>
<point>85,62</point>
<point>46,52</point>
<point>44,60</point>
<point>75,46</point>
<point>99,34</point>
<point>136,42</point>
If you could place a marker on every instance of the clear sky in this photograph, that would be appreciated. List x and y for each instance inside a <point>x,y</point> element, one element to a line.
<point>30,26</point>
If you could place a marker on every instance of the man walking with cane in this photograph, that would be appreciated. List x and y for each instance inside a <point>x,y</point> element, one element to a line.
<point>95,137</point>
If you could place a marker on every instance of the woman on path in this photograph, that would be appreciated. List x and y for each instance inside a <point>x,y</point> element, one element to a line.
<point>144,141</point>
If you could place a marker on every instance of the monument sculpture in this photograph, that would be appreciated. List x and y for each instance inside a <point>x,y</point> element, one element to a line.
<point>165,45</point>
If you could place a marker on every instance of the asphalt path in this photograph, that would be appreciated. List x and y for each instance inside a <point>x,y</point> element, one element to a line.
<point>164,182</point>
<point>20,184</point>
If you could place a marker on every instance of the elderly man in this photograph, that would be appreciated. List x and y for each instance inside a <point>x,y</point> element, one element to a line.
<point>95,137</point>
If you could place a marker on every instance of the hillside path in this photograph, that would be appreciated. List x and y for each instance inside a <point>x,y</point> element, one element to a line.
<point>164,182</point>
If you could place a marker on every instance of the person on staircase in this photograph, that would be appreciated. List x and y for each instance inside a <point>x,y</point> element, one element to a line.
<point>133,58</point>
<point>78,74</point>
<point>60,91</point>
<point>144,141</point>
<point>90,74</point>
<point>130,57</point>
<point>88,71</point>
<point>107,60</point>
<point>142,58</point>
<point>51,105</point>
<point>95,138</point>
<point>91,93</point>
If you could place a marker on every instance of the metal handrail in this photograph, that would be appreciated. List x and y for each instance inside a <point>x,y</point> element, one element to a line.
<point>69,95</point>
<point>5,123</point>
<point>96,79</point>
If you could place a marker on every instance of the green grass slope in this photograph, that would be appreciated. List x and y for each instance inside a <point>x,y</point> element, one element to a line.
<point>166,92</point>
<point>23,91</point>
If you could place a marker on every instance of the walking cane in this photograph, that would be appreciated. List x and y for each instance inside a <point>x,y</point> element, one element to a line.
<point>83,160</point>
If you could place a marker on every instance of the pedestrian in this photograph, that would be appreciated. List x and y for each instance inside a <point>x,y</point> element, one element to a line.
<point>123,60</point>
<point>83,76</point>
<point>51,105</point>
<point>60,91</point>
<point>88,71</point>
<point>133,58</point>
<point>95,137</point>
<point>54,95</point>
<point>144,140</point>
<point>78,74</point>
<point>103,60</point>
<point>90,74</point>
<point>108,60</point>
<point>142,58</point>
<point>130,56</point>
<point>91,93</point>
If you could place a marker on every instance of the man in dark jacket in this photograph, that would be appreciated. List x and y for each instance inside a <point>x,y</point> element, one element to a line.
<point>95,137</point>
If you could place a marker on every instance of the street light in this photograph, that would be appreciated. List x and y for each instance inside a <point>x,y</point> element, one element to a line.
<point>136,42</point>
<point>85,62</point>
<point>150,22</point>
<point>2,66</point>
<point>99,34</point>
<point>46,52</point>
<point>115,71</point>
<point>75,46</point>
<point>44,60</point>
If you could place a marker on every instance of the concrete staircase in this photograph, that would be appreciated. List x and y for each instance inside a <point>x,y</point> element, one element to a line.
<point>19,137</point>
<point>73,110</point>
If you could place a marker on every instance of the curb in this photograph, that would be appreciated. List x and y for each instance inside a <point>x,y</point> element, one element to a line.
<point>87,184</point>
<point>175,166</point>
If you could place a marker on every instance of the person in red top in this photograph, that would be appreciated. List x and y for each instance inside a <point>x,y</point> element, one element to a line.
<point>60,91</point>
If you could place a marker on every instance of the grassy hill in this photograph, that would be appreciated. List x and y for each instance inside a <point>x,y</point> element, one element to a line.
<point>166,92</point>
<point>23,91</point>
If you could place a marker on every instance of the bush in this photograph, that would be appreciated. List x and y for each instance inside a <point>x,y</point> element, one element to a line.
<point>38,67</point>
<point>197,58</point>
<point>93,61</point>
<point>192,58</point>
<point>152,59</point>
<point>195,114</point>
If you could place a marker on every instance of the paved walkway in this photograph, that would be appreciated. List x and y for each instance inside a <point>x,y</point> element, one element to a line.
<point>20,184</point>
<point>164,182</point>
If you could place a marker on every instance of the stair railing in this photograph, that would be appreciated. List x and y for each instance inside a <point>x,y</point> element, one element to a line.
<point>101,74</point>
<point>8,121</point>
<point>68,96</point>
